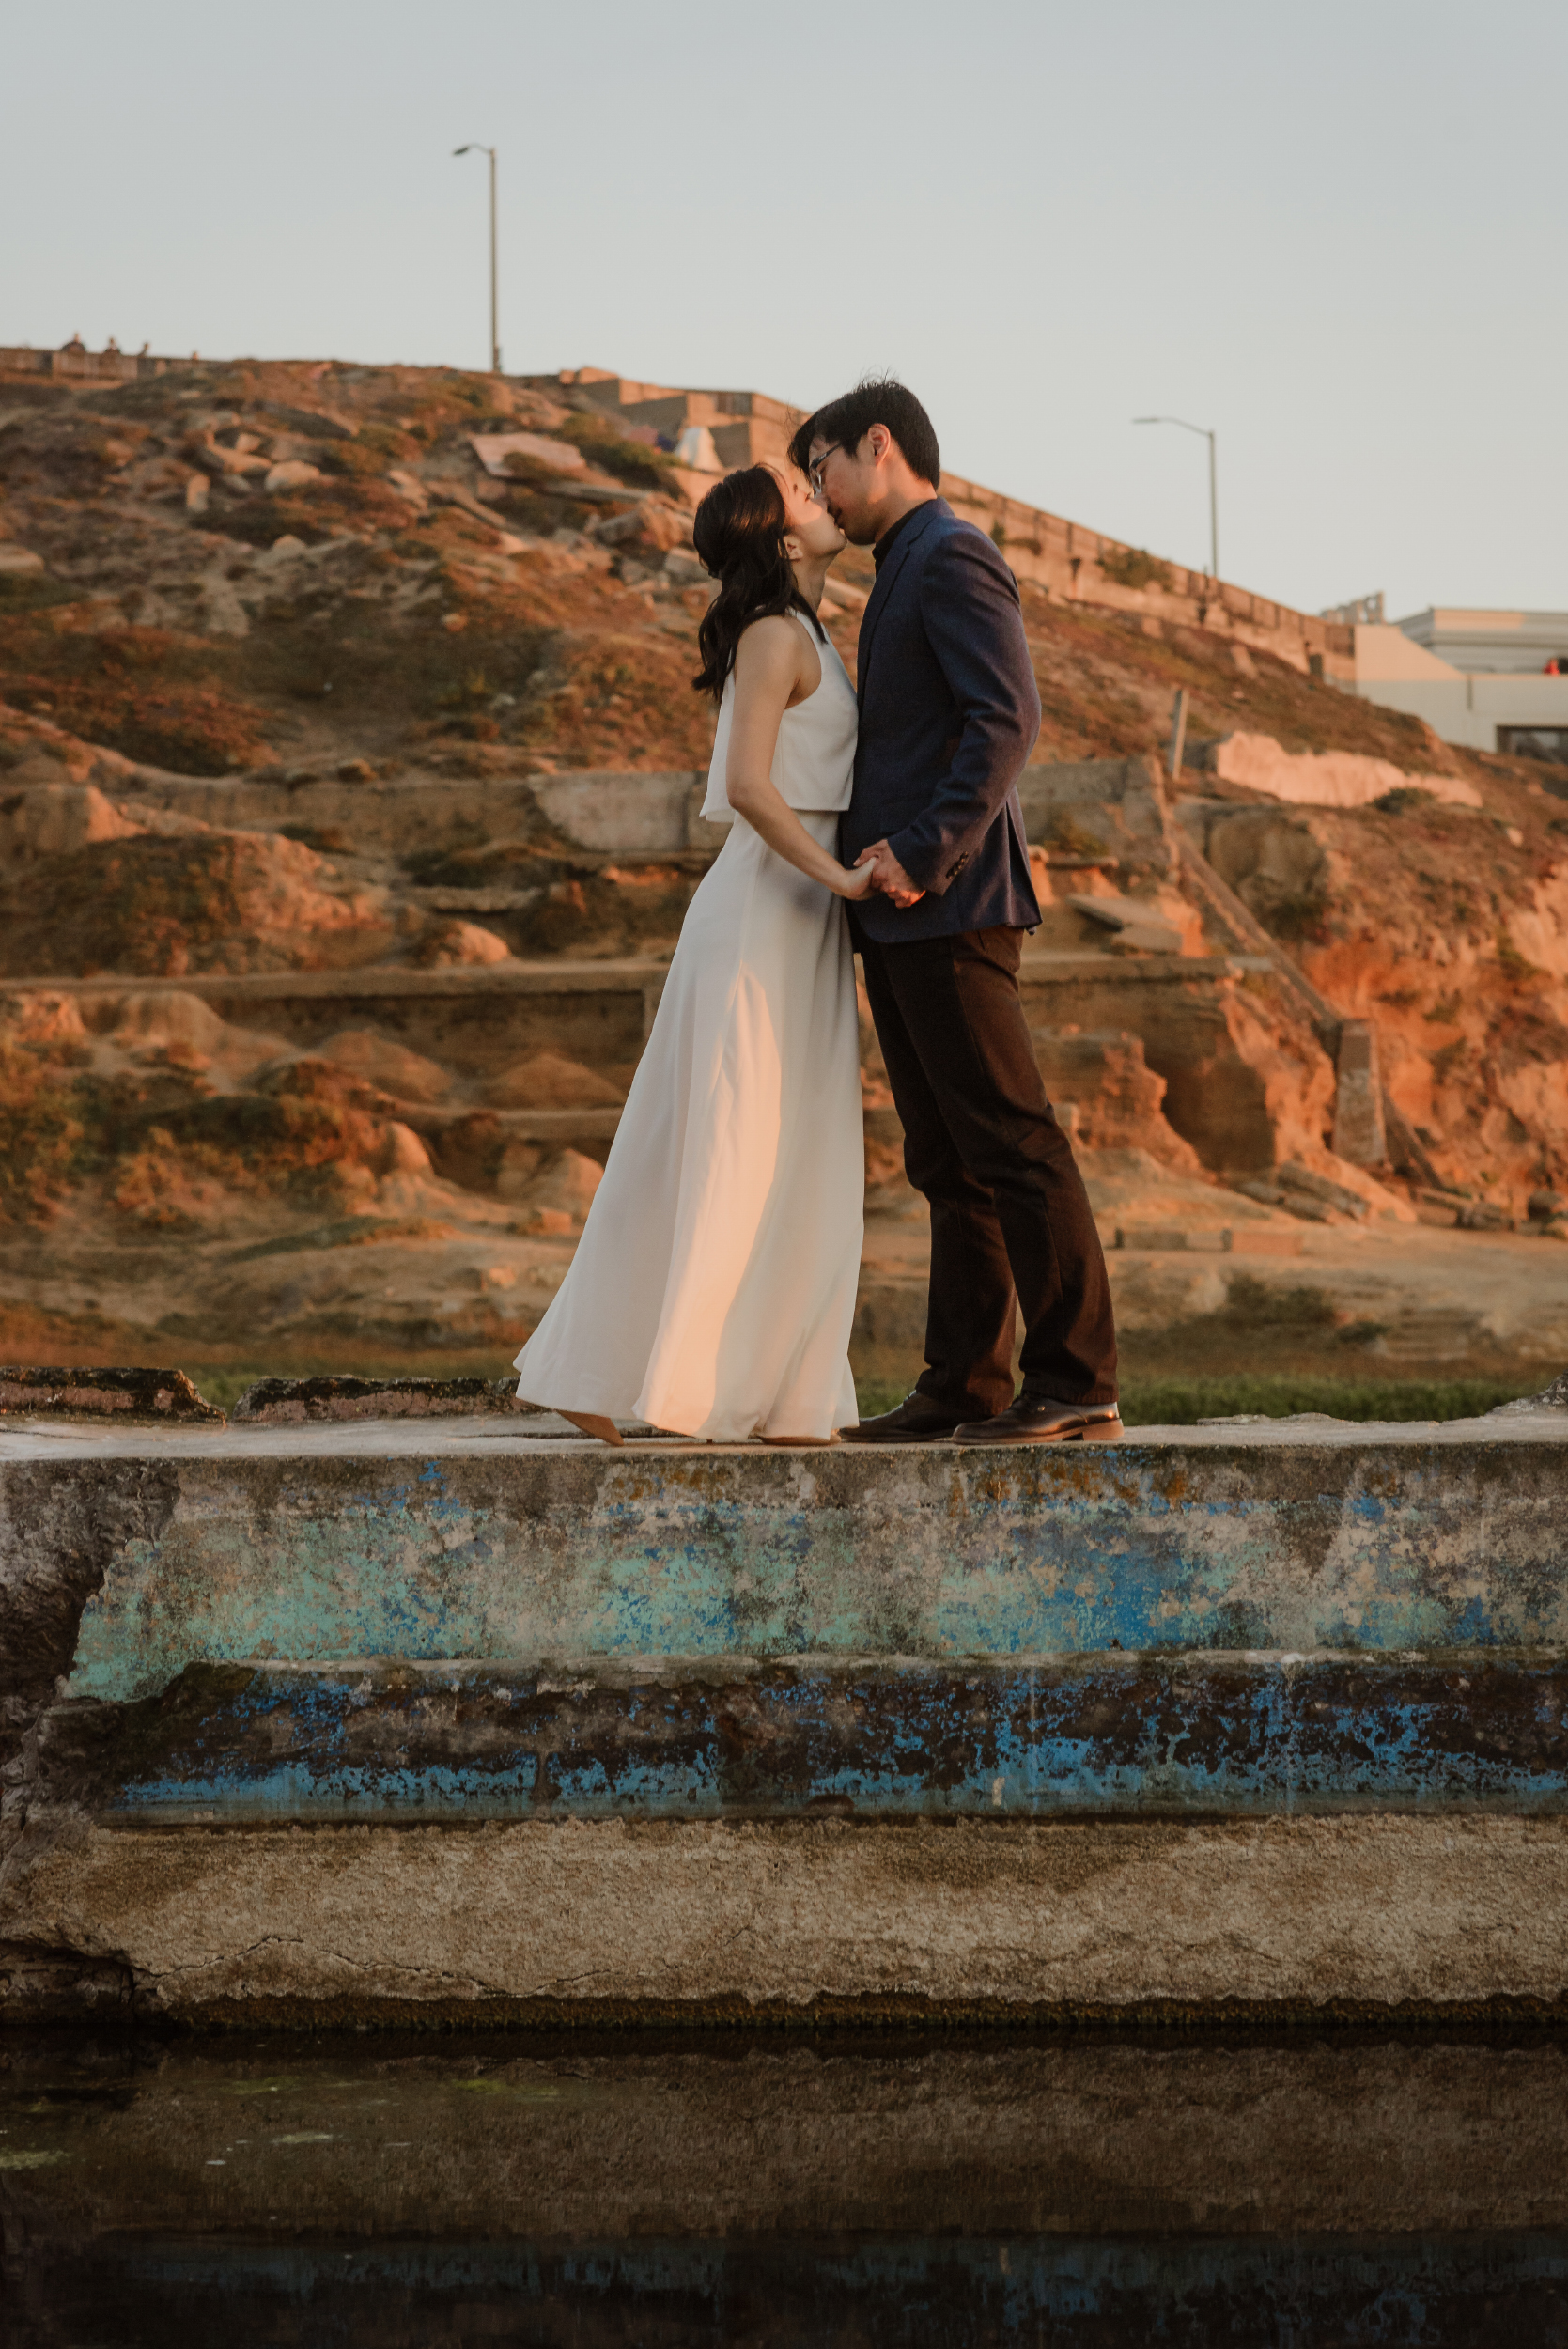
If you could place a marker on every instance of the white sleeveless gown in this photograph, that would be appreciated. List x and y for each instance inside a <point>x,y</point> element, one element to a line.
<point>713,1289</point>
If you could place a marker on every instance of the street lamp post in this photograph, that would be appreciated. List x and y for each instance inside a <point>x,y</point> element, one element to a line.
<point>475,148</point>
<point>1214,492</point>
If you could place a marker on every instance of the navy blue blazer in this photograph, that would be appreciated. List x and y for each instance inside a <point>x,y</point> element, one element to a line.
<point>949,713</point>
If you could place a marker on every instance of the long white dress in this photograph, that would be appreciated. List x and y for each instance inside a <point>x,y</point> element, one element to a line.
<point>713,1289</point>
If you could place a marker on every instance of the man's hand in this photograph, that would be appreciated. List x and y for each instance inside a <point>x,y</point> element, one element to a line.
<point>888,875</point>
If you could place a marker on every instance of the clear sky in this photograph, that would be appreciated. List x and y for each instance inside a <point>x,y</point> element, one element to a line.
<point>1335,232</point>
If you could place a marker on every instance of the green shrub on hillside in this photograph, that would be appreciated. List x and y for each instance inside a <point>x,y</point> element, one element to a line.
<point>1132,567</point>
<point>603,445</point>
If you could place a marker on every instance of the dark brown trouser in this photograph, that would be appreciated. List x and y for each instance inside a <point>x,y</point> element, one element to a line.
<point>1010,1219</point>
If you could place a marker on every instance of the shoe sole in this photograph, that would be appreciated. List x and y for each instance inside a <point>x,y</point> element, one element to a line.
<point>1102,1431</point>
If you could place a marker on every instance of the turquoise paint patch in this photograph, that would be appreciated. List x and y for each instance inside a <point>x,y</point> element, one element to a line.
<point>525,1558</point>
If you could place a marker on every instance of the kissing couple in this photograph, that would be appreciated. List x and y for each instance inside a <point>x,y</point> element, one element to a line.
<point>714,1286</point>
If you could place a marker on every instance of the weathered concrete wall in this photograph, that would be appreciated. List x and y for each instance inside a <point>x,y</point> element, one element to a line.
<point>801,1922</point>
<point>730,1737</point>
<point>314,1545</point>
<point>392,1718</point>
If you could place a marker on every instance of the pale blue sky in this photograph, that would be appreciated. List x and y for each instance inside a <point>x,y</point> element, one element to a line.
<point>1335,232</point>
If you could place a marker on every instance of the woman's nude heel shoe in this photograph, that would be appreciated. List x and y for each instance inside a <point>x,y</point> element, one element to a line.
<point>592,1424</point>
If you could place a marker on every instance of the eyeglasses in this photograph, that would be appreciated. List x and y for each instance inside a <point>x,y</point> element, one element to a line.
<point>814,470</point>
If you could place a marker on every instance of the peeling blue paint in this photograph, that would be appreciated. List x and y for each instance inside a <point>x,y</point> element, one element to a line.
<point>1090,1735</point>
<point>1378,1549</point>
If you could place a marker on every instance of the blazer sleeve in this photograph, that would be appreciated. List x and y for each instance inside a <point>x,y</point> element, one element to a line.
<point>969,605</point>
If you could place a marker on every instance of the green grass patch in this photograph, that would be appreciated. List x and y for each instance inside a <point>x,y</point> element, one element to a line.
<point>1182,1402</point>
<point>605,445</point>
<point>224,1384</point>
<point>34,591</point>
<point>879,1395</point>
<point>1134,566</point>
<point>225,1387</point>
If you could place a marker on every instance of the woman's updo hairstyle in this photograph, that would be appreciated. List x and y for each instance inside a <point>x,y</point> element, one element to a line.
<point>739,533</point>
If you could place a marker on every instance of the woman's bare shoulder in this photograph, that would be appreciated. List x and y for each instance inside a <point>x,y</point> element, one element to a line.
<point>769,635</point>
<point>768,650</point>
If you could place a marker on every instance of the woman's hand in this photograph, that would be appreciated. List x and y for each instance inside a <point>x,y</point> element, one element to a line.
<point>853,881</point>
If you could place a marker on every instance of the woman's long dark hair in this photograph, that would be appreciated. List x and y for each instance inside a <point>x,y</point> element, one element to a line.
<point>739,533</point>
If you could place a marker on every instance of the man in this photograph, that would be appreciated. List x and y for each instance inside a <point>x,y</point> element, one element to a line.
<point>949,713</point>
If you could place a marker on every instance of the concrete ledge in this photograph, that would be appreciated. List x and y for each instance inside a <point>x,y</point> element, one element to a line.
<point>609,1920</point>
<point>394,1540</point>
<point>403,1722</point>
<point>621,975</point>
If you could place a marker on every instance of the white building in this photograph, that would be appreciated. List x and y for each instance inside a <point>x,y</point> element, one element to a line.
<point>1478,678</point>
<point>1518,644</point>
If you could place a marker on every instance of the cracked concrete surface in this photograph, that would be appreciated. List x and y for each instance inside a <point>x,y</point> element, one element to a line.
<point>788,1921</point>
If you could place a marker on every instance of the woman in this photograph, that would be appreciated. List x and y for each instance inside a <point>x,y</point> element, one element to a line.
<point>714,1285</point>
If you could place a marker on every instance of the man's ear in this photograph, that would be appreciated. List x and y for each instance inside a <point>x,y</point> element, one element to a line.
<point>880,440</point>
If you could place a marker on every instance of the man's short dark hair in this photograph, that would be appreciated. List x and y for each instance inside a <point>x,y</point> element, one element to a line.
<point>878,400</point>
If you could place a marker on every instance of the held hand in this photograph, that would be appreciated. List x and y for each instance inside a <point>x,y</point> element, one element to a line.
<point>855,884</point>
<point>888,875</point>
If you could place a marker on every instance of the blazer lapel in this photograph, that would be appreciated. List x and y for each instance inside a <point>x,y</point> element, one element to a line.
<point>886,579</point>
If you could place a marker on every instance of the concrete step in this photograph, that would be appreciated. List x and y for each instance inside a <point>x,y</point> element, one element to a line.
<point>1241,1723</point>
<point>1107,1736</point>
<point>475,1540</point>
<point>626,814</point>
<point>370,983</point>
<point>475,1019</point>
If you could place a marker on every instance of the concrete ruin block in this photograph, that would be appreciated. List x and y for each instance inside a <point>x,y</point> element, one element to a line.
<point>1139,928</point>
<point>76,1393</point>
<point>296,1402</point>
<point>1359,1137</point>
<point>621,815</point>
<point>1083,806</point>
<point>1325,778</point>
<point>493,450</point>
<point>291,474</point>
<point>57,818</point>
<point>404,1152</point>
<point>1117,1101</point>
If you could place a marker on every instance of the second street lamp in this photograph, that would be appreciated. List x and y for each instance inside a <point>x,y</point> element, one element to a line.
<point>475,148</point>
<point>1204,433</point>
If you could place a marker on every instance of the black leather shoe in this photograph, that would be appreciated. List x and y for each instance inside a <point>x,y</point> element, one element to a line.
<point>1041,1421</point>
<point>916,1419</point>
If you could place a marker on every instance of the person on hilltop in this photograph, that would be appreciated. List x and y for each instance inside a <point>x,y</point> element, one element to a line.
<point>714,1286</point>
<point>948,712</point>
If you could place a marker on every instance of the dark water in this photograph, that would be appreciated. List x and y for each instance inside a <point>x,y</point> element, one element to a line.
<point>768,2191</point>
<point>1489,2289</point>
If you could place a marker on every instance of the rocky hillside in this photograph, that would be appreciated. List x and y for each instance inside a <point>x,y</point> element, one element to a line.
<point>267,567</point>
<point>332,919</point>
